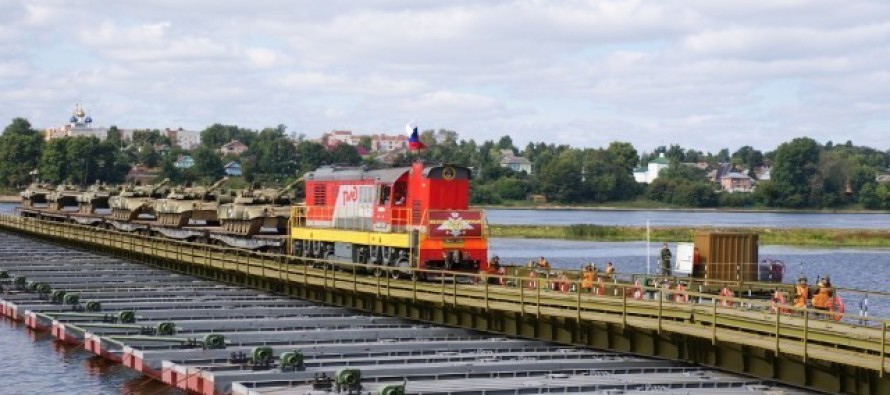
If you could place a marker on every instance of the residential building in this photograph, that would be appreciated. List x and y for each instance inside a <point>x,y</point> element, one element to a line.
<point>184,162</point>
<point>233,147</point>
<point>340,137</point>
<point>185,139</point>
<point>736,182</point>
<point>232,169</point>
<point>650,172</point>
<point>515,163</point>
<point>386,143</point>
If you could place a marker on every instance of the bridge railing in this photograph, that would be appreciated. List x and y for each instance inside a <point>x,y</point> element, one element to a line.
<point>726,317</point>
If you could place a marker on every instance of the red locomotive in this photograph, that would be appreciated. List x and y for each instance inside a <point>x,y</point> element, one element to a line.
<point>396,218</point>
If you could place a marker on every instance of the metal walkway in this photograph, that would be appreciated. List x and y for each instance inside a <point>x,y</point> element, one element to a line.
<point>738,334</point>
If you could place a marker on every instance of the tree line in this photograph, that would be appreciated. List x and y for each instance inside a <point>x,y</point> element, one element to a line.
<point>804,173</point>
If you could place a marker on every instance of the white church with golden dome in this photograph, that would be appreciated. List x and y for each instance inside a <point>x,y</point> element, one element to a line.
<point>80,124</point>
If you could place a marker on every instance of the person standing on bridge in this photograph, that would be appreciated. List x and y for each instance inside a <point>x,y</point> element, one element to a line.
<point>822,296</point>
<point>587,279</point>
<point>801,293</point>
<point>610,270</point>
<point>665,260</point>
<point>543,264</point>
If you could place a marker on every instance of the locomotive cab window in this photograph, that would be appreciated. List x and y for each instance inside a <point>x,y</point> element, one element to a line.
<point>400,194</point>
<point>384,194</point>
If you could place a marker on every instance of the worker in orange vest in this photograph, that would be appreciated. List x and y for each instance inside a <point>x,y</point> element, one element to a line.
<point>801,293</point>
<point>587,279</point>
<point>822,296</point>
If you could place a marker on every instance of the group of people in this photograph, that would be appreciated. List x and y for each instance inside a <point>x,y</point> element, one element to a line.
<point>590,274</point>
<point>819,297</point>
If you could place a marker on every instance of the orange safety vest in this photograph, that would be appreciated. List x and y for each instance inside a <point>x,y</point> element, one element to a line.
<point>587,282</point>
<point>822,297</point>
<point>800,298</point>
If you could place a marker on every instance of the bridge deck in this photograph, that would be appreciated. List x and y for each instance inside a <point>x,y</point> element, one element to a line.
<point>794,333</point>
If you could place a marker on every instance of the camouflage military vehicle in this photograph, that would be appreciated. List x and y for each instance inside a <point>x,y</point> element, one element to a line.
<point>254,209</point>
<point>95,197</point>
<point>135,200</point>
<point>65,195</point>
<point>184,204</point>
<point>35,194</point>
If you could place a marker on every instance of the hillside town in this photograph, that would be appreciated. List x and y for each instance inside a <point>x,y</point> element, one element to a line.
<point>79,152</point>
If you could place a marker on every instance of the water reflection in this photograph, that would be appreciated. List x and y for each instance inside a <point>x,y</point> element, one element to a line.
<point>40,364</point>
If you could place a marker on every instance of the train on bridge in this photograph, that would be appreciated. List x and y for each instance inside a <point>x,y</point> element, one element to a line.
<point>392,219</point>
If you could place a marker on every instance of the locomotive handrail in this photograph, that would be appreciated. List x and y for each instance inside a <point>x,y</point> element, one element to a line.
<point>729,317</point>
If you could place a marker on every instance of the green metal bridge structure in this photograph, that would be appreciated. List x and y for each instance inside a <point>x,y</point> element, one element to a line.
<point>737,334</point>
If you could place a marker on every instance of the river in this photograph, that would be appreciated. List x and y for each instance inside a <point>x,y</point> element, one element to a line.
<point>34,363</point>
<point>753,219</point>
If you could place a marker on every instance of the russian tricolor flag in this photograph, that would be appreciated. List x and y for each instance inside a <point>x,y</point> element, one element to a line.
<point>413,137</point>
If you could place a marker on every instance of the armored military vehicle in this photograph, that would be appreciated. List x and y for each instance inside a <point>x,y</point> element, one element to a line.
<point>65,195</point>
<point>35,194</point>
<point>135,200</point>
<point>94,198</point>
<point>256,208</point>
<point>184,204</point>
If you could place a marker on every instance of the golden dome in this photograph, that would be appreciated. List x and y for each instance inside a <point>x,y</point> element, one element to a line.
<point>79,112</point>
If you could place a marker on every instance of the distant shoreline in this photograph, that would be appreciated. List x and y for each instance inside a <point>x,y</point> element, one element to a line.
<point>10,199</point>
<point>869,238</point>
<point>690,210</point>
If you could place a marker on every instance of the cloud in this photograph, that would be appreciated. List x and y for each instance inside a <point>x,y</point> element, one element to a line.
<point>702,74</point>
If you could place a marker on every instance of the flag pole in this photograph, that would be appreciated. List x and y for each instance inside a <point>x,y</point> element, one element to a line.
<point>648,250</point>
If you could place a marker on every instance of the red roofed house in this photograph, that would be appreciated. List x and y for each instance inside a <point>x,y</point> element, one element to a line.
<point>233,147</point>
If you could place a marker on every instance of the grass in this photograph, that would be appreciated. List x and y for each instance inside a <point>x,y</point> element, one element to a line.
<point>767,236</point>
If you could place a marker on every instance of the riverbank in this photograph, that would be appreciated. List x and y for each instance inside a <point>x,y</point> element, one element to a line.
<point>768,236</point>
<point>646,205</point>
<point>10,199</point>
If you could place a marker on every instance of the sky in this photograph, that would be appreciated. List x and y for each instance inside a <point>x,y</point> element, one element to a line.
<point>704,74</point>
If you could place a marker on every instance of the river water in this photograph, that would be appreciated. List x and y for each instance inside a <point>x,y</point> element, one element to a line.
<point>34,363</point>
<point>41,365</point>
<point>751,219</point>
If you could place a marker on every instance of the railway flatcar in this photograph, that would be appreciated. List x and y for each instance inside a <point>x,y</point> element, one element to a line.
<point>391,219</point>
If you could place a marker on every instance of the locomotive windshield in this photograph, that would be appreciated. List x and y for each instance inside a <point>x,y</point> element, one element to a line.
<point>448,173</point>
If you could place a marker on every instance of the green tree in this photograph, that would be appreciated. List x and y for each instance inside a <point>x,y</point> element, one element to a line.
<point>311,155</point>
<point>506,142</point>
<point>272,155</point>
<point>216,135</point>
<point>208,164</point>
<point>53,161</point>
<point>147,155</point>
<point>20,147</point>
<point>345,154</point>
<point>748,157</point>
<point>561,178</point>
<point>795,165</point>
<point>82,155</point>
<point>625,155</point>
<point>113,136</point>
<point>511,188</point>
